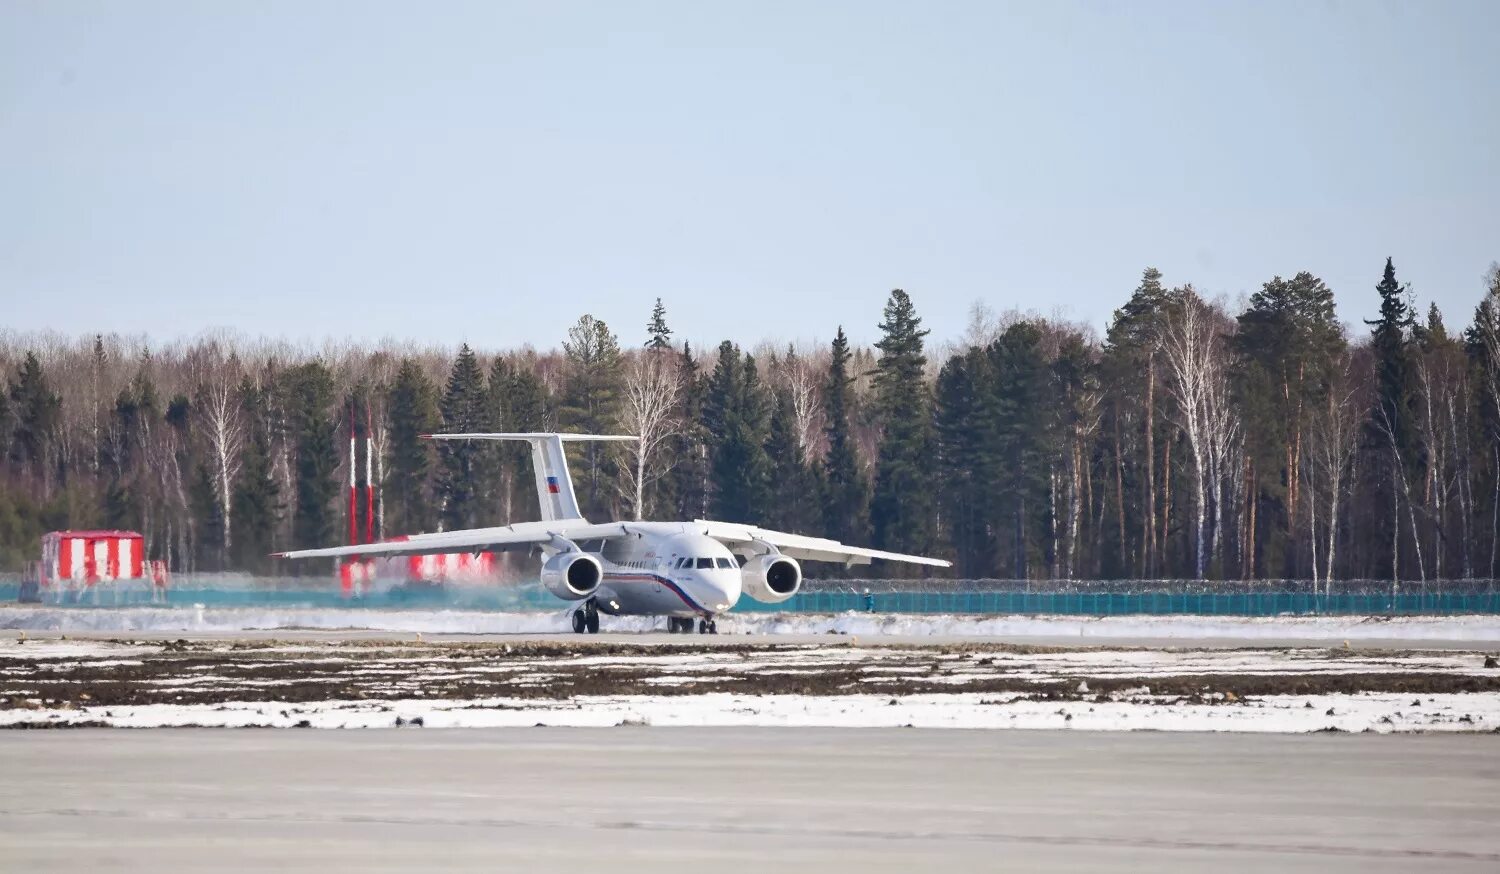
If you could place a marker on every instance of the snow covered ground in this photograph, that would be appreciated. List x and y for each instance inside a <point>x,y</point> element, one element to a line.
<point>1478,629</point>
<point>1381,713</point>
<point>587,682</point>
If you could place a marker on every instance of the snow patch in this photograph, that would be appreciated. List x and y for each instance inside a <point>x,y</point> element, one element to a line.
<point>1380,713</point>
<point>1086,629</point>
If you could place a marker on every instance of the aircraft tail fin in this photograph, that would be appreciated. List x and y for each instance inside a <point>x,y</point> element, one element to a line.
<point>554,485</point>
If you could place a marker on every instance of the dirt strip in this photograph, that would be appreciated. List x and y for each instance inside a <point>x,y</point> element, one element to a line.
<point>209,672</point>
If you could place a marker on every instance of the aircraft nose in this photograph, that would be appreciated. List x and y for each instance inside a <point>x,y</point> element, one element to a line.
<point>725,589</point>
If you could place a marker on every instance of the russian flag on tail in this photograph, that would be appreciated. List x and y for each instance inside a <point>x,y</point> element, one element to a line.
<point>552,487</point>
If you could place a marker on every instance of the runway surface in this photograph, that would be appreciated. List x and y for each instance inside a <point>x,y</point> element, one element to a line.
<point>627,799</point>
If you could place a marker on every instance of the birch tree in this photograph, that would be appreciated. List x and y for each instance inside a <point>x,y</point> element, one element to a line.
<point>1190,345</point>
<point>220,415</point>
<point>652,388</point>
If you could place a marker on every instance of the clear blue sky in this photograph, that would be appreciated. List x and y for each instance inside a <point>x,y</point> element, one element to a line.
<point>489,171</point>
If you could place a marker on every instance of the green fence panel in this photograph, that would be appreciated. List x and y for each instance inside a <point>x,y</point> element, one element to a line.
<point>1120,603</point>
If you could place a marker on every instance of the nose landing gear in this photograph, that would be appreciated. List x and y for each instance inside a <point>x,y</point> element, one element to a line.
<point>586,618</point>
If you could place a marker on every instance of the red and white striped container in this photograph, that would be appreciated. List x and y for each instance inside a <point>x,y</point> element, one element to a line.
<point>88,557</point>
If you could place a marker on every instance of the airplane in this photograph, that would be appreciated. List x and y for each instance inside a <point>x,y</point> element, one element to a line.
<point>685,571</point>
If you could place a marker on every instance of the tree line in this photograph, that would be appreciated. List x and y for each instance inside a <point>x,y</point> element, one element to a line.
<point>1190,441</point>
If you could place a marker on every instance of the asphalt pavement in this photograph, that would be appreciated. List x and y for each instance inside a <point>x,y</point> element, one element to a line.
<point>654,799</point>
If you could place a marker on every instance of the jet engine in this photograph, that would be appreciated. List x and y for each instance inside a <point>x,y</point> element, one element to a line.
<point>572,576</point>
<point>770,579</point>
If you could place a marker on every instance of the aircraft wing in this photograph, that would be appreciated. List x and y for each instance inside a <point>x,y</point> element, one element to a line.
<point>810,548</point>
<point>525,535</point>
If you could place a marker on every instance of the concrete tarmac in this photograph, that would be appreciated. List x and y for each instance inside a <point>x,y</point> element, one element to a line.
<point>654,799</point>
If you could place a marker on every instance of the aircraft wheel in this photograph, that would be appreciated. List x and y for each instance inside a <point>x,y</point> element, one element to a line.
<point>703,626</point>
<point>579,622</point>
<point>592,622</point>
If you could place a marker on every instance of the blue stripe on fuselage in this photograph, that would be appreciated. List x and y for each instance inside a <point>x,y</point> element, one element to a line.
<point>656,578</point>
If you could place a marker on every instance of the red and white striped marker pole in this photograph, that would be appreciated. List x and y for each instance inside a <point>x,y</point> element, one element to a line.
<point>346,574</point>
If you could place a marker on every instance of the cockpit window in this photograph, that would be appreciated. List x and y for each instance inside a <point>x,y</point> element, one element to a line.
<point>704,563</point>
<point>725,562</point>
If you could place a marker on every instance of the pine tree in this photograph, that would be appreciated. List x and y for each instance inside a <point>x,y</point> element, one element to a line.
<point>902,507</point>
<point>754,420</point>
<point>528,412</point>
<point>7,430</point>
<point>1017,420</point>
<point>1288,342</point>
<point>257,496</point>
<point>684,490</point>
<point>413,412</point>
<point>660,336</point>
<point>1075,418</point>
<point>1482,345</point>
<point>962,464</point>
<point>38,412</point>
<point>503,461</point>
<point>845,505</point>
<point>734,420</point>
<point>794,503</point>
<point>308,394</point>
<point>1131,370</point>
<point>462,481</point>
<point>208,519</point>
<point>591,405</point>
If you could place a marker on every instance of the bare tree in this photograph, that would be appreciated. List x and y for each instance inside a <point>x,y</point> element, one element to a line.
<point>652,386</point>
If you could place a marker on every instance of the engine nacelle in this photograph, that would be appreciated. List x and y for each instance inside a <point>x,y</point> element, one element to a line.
<point>572,576</point>
<point>770,579</point>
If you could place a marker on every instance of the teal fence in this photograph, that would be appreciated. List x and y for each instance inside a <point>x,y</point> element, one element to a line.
<point>1152,603</point>
<point>1483,598</point>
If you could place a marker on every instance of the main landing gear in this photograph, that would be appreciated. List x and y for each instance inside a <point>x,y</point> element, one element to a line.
<point>684,625</point>
<point>586,618</point>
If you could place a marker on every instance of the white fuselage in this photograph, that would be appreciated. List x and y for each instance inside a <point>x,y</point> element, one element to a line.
<point>666,571</point>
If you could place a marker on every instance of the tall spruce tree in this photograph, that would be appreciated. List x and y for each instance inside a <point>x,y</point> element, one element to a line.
<point>1017,420</point>
<point>734,420</point>
<point>463,480</point>
<point>529,411</point>
<point>591,405</point>
<point>308,396</point>
<point>659,336</point>
<point>845,493</point>
<point>684,490</point>
<point>794,499</point>
<point>412,411</point>
<point>902,508</point>
<point>257,495</point>
<point>1482,344</point>
<point>37,412</point>
<point>1392,426</point>
<point>964,461</point>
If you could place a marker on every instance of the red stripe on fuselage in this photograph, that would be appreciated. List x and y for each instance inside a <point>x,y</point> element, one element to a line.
<point>653,578</point>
